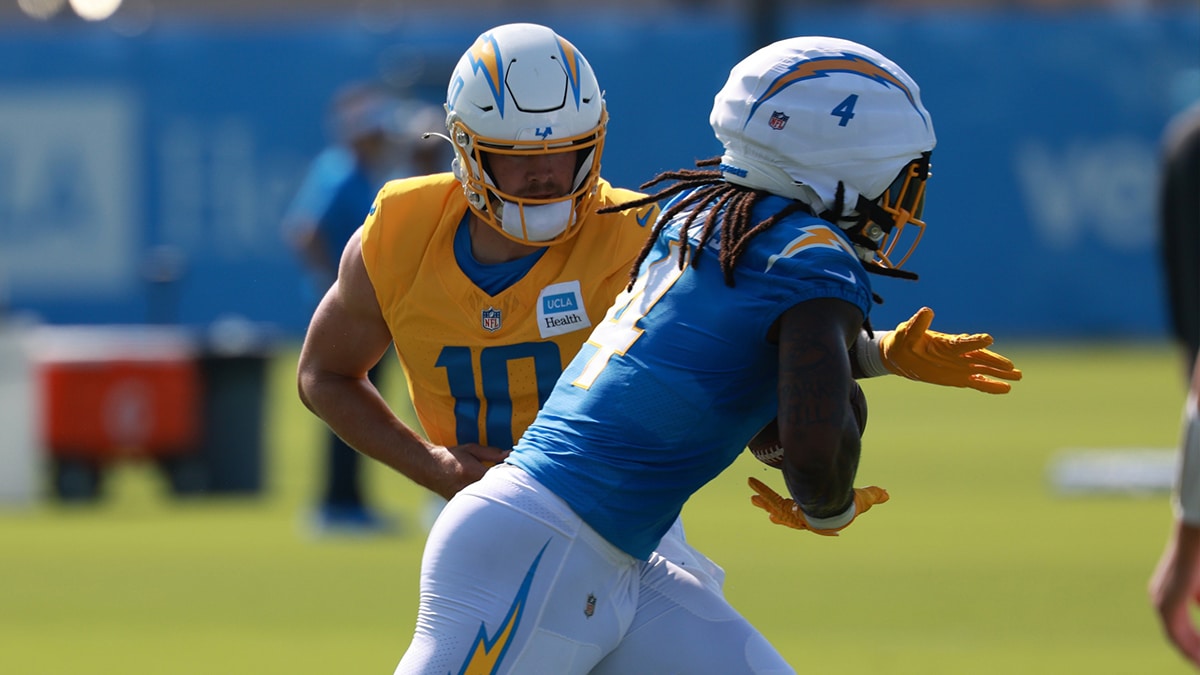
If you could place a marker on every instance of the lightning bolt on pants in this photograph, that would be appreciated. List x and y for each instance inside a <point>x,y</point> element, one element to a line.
<point>512,581</point>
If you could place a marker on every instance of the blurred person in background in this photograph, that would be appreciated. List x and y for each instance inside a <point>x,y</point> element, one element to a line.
<point>1179,222</point>
<point>1176,580</point>
<point>376,137</point>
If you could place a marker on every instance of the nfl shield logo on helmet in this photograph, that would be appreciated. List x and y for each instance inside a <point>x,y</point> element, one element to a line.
<point>490,319</point>
<point>778,120</point>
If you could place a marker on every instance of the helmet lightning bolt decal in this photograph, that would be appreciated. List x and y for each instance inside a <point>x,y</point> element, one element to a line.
<point>486,654</point>
<point>485,56</point>
<point>814,236</point>
<point>822,66</point>
<point>571,61</point>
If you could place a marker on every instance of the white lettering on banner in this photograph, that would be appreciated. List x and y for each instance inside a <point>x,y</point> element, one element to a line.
<point>1091,189</point>
<point>68,189</point>
<point>214,198</point>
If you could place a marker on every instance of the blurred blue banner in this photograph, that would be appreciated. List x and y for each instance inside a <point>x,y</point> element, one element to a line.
<point>143,177</point>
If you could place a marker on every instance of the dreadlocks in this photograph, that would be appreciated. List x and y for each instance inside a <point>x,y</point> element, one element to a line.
<point>729,205</point>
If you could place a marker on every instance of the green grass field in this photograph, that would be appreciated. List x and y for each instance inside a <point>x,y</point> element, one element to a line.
<point>975,566</point>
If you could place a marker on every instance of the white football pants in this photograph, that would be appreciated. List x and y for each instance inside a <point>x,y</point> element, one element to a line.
<point>512,581</point>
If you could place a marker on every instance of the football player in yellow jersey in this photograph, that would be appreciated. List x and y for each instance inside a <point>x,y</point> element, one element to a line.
<point>489,278</point>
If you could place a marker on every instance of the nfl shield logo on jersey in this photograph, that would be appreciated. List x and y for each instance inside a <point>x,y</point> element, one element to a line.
<point>490,319</point>
<point>778,120</point>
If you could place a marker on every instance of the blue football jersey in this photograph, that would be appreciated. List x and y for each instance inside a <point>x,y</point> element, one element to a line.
<point>677,378</point>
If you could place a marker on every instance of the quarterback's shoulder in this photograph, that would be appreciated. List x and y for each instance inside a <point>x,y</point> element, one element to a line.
<point>413,209</point>
<point>408,216</point>
<point>426,185</point>
<point>636,217</point>
<point>418,202</point>
<point>609,195</point>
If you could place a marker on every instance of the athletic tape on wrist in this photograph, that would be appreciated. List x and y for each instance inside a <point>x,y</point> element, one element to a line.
<point>1187,499</point>
<point>832,522</point>
<point>869,354</point>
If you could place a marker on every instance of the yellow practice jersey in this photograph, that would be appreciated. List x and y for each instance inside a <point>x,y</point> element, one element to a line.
<point>480,366</point>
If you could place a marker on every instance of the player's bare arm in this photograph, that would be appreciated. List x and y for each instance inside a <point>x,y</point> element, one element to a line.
<point>817,426</point>
<point>1176,579</point>
<point>829,417</point>
<point>346,337</point>
<point>1173,588</point>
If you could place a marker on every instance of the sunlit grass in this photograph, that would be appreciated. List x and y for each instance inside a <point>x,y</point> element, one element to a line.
<point>975,566</point>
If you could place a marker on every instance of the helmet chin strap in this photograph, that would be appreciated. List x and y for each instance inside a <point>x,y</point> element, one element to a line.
<point>542,222</point>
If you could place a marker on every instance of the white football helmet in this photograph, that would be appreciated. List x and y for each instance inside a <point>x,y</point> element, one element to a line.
<point>522,89</point>
<point>836,125</point>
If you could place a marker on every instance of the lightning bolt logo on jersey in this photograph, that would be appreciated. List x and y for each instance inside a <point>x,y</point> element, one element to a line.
<point>813,235</point>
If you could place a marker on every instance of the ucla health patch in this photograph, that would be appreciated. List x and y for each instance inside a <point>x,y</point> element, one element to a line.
<point>561,310</point>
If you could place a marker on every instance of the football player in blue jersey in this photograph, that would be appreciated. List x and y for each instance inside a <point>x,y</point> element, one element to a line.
<point>745,304</point>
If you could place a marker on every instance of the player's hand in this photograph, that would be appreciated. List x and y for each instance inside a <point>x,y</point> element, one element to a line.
<point>962,360</point>
<point>783,511</point>
<point>485,454</point>
<point>1173,605</point>
<point>1174,588</point>
<point>463,465</point>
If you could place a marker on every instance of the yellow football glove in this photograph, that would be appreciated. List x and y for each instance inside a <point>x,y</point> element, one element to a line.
<point>785,512</point>
<point>962,360</point>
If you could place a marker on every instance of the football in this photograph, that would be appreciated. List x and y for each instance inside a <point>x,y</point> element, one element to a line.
<point>765,445</point>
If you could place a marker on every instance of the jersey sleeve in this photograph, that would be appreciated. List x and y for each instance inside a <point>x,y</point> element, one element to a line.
<point>797,264</point>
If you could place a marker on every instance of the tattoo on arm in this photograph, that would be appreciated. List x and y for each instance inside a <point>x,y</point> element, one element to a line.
<point>814,406</point>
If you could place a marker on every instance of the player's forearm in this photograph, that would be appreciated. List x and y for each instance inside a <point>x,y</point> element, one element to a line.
<point>1174,578</point>
<point>354,410</point>
<point>1187,546</point>
<point>822,482</point>
<point>819,431</point>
